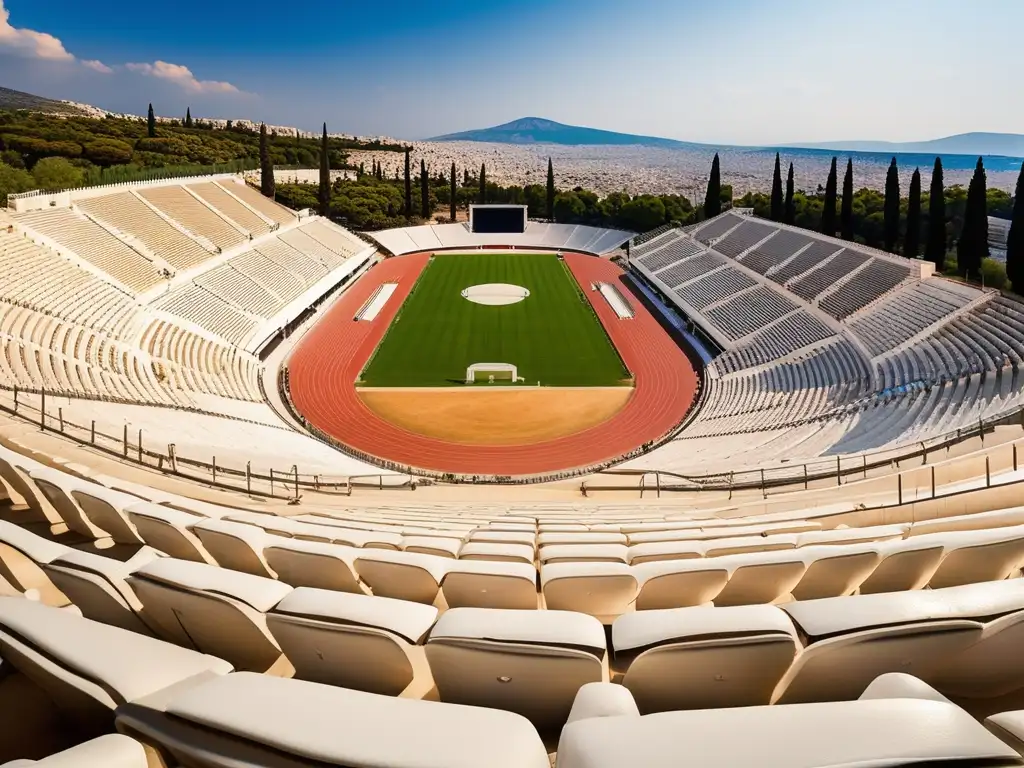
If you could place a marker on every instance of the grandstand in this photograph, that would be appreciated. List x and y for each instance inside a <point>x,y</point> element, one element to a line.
<point>165,294</point>
<point>191,573</point>
<point>826,347</point>
<point>139,624</point>
<point>569,237</point>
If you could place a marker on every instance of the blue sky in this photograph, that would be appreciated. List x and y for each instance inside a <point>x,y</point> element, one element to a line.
<point>737,71</point>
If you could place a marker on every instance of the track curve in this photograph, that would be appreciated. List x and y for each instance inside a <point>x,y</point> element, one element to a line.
<point>324,366</point>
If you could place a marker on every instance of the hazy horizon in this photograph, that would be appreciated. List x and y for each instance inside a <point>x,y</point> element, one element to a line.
<point>747,74</point>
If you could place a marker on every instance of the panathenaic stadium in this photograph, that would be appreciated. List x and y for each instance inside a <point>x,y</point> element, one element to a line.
<point>274,493</point>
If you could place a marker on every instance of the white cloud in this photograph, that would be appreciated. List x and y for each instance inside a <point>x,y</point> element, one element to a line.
<point>182,75</point>
<point>41,45</point>
<point>97,66</point>
<point>28,42</point>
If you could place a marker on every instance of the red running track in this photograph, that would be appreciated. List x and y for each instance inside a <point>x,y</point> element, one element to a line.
<point>325,365</point>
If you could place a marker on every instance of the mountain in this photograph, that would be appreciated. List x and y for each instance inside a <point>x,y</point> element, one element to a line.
<point>11,99</point>
<point>1005,144</point>
<point>537,130</point>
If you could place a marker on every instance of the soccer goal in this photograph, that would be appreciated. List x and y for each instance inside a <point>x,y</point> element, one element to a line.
<point>492,372</point>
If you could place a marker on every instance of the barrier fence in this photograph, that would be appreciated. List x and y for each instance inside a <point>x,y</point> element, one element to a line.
<point>42,409</point>
<point>818,472</point>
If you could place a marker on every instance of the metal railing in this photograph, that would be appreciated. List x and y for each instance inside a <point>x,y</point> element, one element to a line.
<point>131,446</point>
<point>835,470</point>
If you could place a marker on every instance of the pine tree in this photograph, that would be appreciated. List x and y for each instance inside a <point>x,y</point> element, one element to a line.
<point>549,209</point>
<point>972,246</point>
<point>483,184</point>
<point>325,176</point>
<point>828,211</point>
<point>1015,240</point>
<point>891,208</point>
<point>713,196</point>
<point>846,209</point>
<point>912,239</point>
<point>267,185</point>
<point>454,194</point>
<point>188,117</point>
<point>789,216</point>
<point>408,187</point>
<point>424,190</point>
<point>151,123</point>
<point>777,204</point>
<point>935,246</point>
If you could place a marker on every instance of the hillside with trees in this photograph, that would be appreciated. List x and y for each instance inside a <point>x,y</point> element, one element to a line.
<point>82,151</point>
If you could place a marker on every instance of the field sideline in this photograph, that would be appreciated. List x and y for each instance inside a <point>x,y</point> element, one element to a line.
<point>553,336</point>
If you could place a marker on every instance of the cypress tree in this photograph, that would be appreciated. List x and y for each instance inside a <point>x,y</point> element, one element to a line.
<point>713,196</point>
<point>454,193</point>
<point>424,190</point>
<point>972,246</point>
<point>1015,240</point>
<point>935,246</point>
<point>776,211</point>
<point>912,239</point>
<point>188,117</point>
<point>549,211</point>
<point>267,185</point>
<point>846,209</point>
<point>891,209</point>
<point>789,215</point>
<point>828,211</point>
<point>408,187</point>
<point>483,184</point>
<point>325,176</point>
<point>465,177</point>
<point>151,123</point>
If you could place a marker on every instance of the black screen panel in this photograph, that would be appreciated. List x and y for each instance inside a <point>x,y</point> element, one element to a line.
<point>499,220</point>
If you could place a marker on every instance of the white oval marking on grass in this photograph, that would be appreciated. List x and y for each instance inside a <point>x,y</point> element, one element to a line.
<point>495,294</point>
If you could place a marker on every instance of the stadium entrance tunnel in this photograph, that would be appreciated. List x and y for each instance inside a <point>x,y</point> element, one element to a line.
<point>496,294</point>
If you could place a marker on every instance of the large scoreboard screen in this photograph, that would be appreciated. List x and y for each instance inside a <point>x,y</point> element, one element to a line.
<point>497,219</point>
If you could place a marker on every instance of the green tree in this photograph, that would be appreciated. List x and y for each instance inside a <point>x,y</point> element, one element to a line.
<point>892,206</point>
<point>14,180</point>
<point>935,246</point>
<point>713,196</point>
<point>569,209</point>
<point>643,213</point>
<point>53,173</point>
<point>267,183</point>
<point>1015,239</point>
<point>106,152</point>
<point>777,204</point>
<point>846,210</point>
<point>912,240</point>
<point>972,246</point>
<point>454,194</point>
<point>151,123</point>
<point>483,184</point>
<point>424,190</point>
<point>828,211</point>
<point>549,210</point>
<point>408,210</point>
<point>789,215</point>
<point>188,117</point>
<point>324,196</point>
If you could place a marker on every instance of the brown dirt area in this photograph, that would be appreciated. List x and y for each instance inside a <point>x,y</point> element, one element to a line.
<point>502,416</point>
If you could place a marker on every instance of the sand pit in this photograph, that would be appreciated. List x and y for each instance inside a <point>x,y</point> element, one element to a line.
<point>500,416</point>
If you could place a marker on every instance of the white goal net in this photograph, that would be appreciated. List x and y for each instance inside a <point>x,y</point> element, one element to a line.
<point>491,372</point>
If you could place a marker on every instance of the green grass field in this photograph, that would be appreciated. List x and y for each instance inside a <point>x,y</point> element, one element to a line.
<point>552,336</point>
